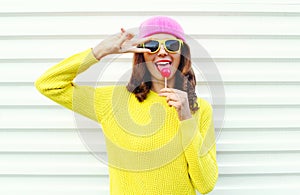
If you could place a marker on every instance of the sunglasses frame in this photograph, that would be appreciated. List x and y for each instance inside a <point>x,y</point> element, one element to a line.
<point>163,41</point>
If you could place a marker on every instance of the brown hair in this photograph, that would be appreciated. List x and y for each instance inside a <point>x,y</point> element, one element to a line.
<point>140,82</point>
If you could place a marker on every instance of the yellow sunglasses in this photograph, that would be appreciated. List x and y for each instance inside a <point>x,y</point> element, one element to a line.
<point>170,45</point>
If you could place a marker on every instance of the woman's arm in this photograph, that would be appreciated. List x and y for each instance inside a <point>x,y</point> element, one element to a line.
<point>57,84</point>
<point>198,140</point>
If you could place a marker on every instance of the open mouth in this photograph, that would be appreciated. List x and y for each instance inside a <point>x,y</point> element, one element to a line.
<point>163,64</point>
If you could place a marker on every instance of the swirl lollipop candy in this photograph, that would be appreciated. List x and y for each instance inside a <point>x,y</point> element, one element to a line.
<point>165,72</point>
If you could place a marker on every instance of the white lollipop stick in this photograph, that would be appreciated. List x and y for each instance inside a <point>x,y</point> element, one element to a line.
<point>165,72</point>
<point>166,82</point>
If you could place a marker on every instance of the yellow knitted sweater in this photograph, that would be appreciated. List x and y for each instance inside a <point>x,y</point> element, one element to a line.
<point>149,150</point>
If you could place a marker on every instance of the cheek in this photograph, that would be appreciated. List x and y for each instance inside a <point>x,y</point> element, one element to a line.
<point>149,62</point>
<point>176,61</point>
<point>148,57</point>
<point>149,65</point>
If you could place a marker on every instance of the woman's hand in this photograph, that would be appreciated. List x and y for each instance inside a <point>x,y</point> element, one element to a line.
<point>179,100</point>
<point>119,43</point>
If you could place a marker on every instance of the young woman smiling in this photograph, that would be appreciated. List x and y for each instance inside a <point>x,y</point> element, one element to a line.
<point>159,139</point>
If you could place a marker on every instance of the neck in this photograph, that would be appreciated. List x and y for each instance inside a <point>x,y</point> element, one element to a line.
<point>158,85</point>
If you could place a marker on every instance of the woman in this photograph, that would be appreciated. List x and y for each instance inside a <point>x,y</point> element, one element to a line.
<point>160,139</point>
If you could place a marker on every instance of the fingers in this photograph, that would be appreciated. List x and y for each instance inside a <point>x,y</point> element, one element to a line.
<point>138,42</point>
<point>142,40</point>
<point>174,97</point>
<point>127,45</point>
<point>179,100</point>
<point>171,90</point>
<point>125,36</point>
<point>123,30</point>
<point>174,104</point>
<point>166,92</point>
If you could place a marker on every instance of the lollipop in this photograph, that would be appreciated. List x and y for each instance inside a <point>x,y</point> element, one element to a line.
<point>165,72</point>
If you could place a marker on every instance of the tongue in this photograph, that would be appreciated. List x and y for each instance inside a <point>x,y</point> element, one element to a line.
<point>160,67</point>
<point>165,72</point>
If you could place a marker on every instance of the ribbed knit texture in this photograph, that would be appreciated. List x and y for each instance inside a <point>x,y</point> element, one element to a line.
<point>150,151</point>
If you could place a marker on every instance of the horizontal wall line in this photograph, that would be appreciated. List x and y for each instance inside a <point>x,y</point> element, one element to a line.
<point>55,60</point>
<point>223,152</point>
<point>281,83</point>
<point>150,13</point>
<point>54,175</point>
<point>259,152</point>
<point>297,152</point>
<point>106,175</point>
<point>240,106</point>
<point>259,174</point>
<point>96,129</point>
<point>265,129</point>
<point>45,129</point>
<point>45,152</point>
<point>198,36</point>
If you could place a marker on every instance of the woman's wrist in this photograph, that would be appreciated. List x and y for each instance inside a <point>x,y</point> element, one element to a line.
<point>98,53</point>
<point>185,116</point>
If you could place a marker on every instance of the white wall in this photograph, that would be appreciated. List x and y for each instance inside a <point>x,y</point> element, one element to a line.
<point>255,45</point>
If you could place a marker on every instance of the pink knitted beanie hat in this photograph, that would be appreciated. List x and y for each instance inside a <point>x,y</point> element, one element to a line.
<point>161,24</point>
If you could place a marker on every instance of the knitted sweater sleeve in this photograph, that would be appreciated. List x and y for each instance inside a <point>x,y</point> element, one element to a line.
<point>57,84</point>
<point>198,140</point>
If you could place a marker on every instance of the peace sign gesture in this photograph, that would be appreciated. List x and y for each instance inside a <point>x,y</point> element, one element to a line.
<point>119,43</point>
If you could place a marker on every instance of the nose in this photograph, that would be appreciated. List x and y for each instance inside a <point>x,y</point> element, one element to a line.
<point>162,51</point>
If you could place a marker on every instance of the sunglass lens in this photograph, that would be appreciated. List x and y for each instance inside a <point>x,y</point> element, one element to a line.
<point>152,45</point>
<point>172,45</point>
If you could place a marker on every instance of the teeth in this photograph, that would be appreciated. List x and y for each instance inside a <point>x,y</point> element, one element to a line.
<point>162,63</point>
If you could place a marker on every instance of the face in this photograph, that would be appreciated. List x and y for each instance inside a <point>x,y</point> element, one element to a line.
<point>155,62</point>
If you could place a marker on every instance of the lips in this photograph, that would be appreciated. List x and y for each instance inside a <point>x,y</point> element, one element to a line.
<point>160,64</point>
